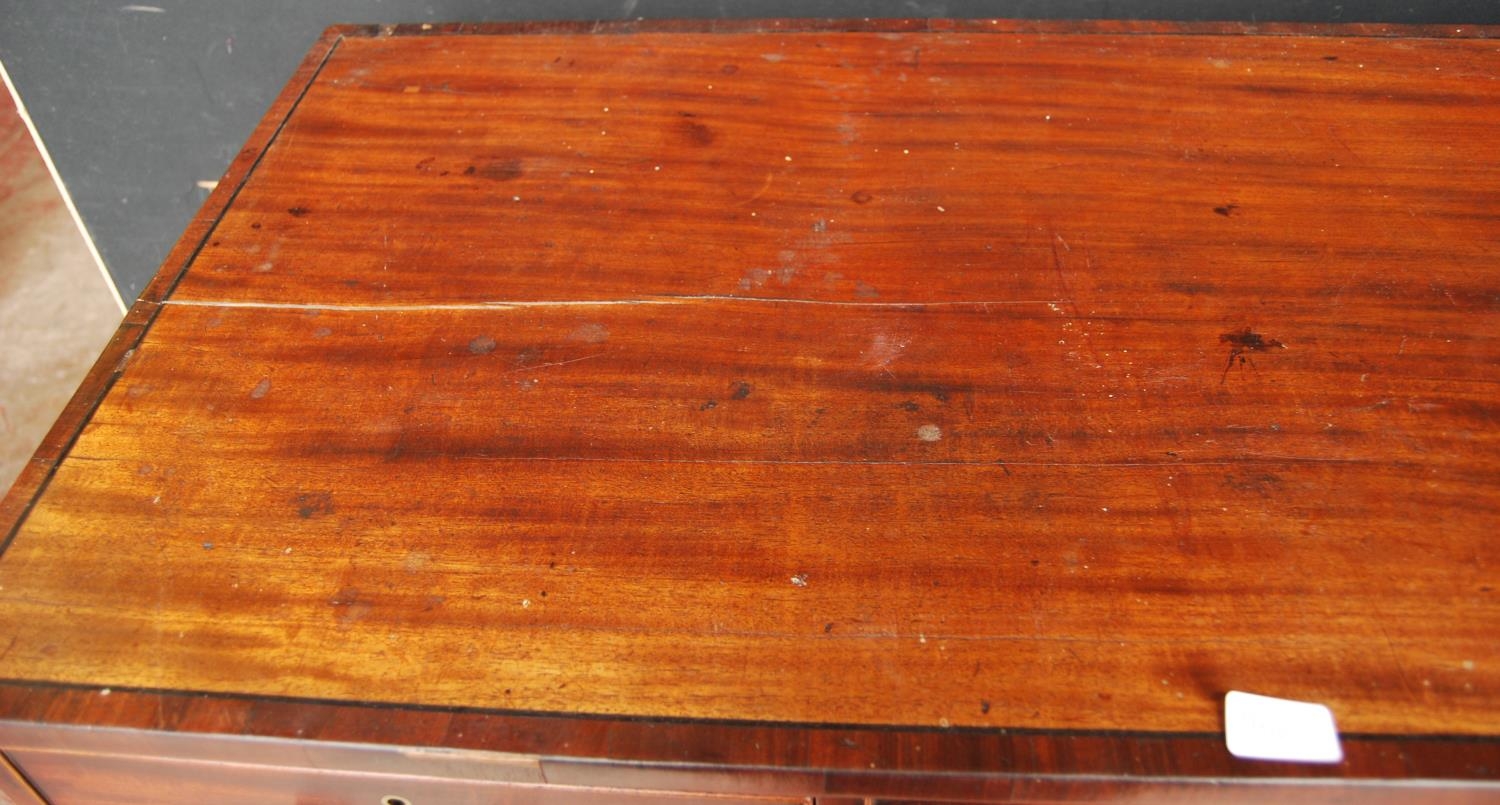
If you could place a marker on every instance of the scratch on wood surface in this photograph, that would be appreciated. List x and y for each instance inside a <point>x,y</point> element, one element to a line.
<point>1082,334</point>
<point>1348,280</point>
<point>1062,279</point>
<point>1400,667</point>
<point>1333,132</point>
<point>884,349</point>
<point>554,363</point>
<point>766,185</point>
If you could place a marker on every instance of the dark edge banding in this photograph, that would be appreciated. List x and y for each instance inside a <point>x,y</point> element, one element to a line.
<point>985,25</point>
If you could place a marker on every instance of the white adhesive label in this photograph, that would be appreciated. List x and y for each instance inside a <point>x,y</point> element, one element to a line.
<point>1263,728</point>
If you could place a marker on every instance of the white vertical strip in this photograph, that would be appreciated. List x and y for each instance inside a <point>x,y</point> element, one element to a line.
<point>62,188</point>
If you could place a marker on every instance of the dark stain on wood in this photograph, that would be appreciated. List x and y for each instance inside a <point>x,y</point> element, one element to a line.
<point>499,170</point>
<point>313,504</point>
<point>1245,341</point>
<point>695,132</point>
<point>1189,287</point>
<point>1263,484</point>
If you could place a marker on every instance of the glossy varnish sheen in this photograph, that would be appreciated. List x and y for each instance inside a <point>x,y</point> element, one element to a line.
<point>984,377</point>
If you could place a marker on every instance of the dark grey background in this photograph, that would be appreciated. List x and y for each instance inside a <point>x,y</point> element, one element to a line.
<point>138,105</point>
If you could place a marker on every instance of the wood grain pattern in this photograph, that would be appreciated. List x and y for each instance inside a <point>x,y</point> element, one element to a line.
<point>941,168</point>
<point>995,378</point>
<point>532,566</point>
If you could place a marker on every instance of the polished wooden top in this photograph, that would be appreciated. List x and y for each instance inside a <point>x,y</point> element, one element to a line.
<point>986,376</point>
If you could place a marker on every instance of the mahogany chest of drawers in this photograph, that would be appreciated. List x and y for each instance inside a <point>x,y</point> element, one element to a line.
<point>790,411</point>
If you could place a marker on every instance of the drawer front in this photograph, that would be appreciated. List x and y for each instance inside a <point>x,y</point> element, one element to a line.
<point>68,778</point>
